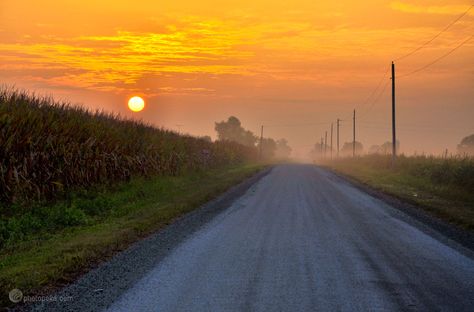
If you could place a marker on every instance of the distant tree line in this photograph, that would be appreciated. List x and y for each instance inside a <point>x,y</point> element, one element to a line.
<point>321,150</point>
<point>384,149</point>
<point>466,147</point>
<point>232,130</point>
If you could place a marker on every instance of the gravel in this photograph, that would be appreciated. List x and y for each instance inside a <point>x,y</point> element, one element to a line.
<point>98,288</point>
<point>297,238</point>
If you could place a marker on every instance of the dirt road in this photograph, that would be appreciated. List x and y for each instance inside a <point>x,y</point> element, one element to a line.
<point>301,240</point>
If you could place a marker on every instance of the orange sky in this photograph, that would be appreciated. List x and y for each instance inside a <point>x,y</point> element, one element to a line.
<point>278,63</point>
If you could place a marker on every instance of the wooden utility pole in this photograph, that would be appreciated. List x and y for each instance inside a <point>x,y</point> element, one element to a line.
<point>338,137</point>
<point>354,134</point>
<point>331,141</point>
<point>321,155</point>
<point>394,136</point>
<point>325,144</point>
<point>261,143</point>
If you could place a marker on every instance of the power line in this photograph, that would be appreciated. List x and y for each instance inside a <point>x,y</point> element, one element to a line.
<point>376,88</point>
<point>436,36</point>
<point>298,125</point>
<point>403,129</point>
<point>375,101</point>
<point>375,96</point>
<point>416,126</point>
<point>438,59</point>
<point>374,91</point>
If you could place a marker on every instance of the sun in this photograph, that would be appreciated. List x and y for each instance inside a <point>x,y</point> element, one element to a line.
<point>136,104</point>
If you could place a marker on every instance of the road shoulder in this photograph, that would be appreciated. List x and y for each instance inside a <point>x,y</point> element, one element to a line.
<point>98,288</point>
<point>456,237</point>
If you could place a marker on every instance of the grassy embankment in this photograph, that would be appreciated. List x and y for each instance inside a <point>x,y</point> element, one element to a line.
<point>76,187</point>
<point>442,187</point>
<point>111,219</point>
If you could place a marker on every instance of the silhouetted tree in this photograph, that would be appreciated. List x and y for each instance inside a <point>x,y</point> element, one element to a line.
<point>206,138</point>
<point>386,148</point>
<point>283,151</point>
<point>269,147</point>
<point>375,149</point>
<point>347,148</point>
<point>318,151</point>
<point>467,145</point>
<point>232,130</point>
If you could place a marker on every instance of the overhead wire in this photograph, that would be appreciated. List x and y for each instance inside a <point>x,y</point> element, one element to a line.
<point>375,101</point>
<point>415,126</point>
<point>421,68</point>
<point>296,125</point>
<point>380,83</point>
<point>376,88</point>
<point>414,51</point>
<point>436,36</point>
<point>437,59</point>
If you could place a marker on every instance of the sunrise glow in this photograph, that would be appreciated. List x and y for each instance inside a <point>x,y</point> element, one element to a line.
<point>136,104</point>
<point>266,62</point>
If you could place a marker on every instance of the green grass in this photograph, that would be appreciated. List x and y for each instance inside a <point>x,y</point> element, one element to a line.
<point>441,187</point>
<point>100,223</point>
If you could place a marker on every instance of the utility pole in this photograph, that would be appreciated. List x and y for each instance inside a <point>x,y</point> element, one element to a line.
<point>261,143</point>
<point>338,137</point>
<point>325,144</point>
<point>331,141</point>
<point>394,136</point>
<point>321,155</point>
<point>354,134</point>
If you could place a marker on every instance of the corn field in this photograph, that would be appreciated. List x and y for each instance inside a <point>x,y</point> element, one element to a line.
<point>49,148</point>
<point>456,171</point>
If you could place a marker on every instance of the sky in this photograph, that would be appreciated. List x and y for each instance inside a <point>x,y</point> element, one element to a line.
<point>292,66</point>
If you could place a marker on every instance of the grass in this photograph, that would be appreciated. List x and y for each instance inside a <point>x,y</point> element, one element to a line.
<point>442,187</point>
<point>76,185</point>
<point>99,223</point>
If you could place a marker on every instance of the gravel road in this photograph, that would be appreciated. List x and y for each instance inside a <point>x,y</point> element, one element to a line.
<point>303,239</point>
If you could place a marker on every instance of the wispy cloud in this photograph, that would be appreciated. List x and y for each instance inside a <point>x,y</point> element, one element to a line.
<point>208,48</point>
<point>429,9</point>
<point>201,47</point>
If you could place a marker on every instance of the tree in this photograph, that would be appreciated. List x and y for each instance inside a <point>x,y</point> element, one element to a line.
<point>375,149</point>
<point>321,151</point>
<point>283,151</point>
<point>467,145</point>
<point>315,151</point>
<point>318,151</point>
<point>206,138</point>
<point>387,147</point>
<point>232,130</point>
<point>269,147</point>
<point>347,148</point>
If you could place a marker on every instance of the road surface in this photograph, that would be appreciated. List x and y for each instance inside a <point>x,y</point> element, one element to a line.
<point>302,239</point>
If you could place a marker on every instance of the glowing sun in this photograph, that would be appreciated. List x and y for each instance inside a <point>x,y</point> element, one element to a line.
<point>136,104</point>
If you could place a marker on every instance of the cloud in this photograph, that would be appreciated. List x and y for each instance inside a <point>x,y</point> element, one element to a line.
<point>194,47</point>
<point>208,49</point>
<point>429,9</point>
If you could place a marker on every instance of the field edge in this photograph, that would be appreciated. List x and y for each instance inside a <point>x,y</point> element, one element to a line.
<point>50,265</point>
<point>422,214</point>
